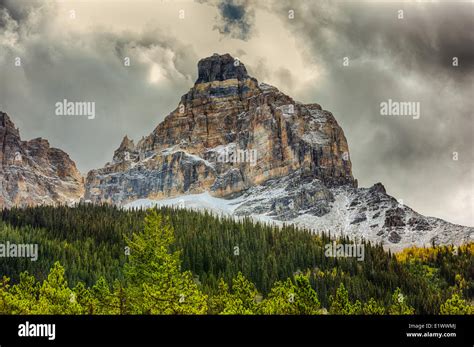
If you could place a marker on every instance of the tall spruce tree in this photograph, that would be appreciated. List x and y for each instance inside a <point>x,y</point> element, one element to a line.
<point>155,282</point>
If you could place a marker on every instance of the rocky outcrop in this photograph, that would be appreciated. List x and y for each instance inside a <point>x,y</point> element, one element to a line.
<point>227,134</point>
<point>237,146</point>
<point>33,173</point>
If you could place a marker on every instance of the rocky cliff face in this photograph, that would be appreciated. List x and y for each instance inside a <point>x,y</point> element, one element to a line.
<point>33,173</point>
<point>239,147</point>
<point>227,134</point>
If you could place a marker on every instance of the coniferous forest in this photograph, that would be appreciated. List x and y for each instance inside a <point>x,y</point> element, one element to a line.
<point>106,260</point>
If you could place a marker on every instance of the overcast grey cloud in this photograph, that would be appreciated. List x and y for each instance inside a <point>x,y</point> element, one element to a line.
<point>87,67</point>
<point>236,18</point>
<point>407,59</point>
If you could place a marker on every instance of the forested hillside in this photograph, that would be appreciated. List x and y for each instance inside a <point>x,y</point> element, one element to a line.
<point>222,259</point>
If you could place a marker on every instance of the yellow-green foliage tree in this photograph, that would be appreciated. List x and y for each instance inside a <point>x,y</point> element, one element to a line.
<point>372,307</point>
<point>55,297</point>
<point>4,287</point>
<point>103,301</point>
<point>84,298</point>
<point>296,298</point>
<point>155,283</point>
<point>340,303</point>
<point>456,305</point>
<point>241,299</point>
<point>399,306</point>
<point>20,298</point>
<point>220,299</point>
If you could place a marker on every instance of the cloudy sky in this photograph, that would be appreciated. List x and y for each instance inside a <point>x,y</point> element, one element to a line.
<point>75,50</point>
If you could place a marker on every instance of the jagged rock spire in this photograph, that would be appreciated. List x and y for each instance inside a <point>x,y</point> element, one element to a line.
<point>125,150</point>
<point>219,68</point>
<point>127,143</point>
<point>7,126</point>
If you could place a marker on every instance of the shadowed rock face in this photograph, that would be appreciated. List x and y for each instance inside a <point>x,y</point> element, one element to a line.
<point>227,134</point>
<point>220,68</point>
<point>33,173</point>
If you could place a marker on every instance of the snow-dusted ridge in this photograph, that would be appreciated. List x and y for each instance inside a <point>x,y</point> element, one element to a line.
<point>367,213</point>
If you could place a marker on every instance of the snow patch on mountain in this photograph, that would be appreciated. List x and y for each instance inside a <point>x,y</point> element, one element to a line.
<point>367,213</point>
<point>202,201</point>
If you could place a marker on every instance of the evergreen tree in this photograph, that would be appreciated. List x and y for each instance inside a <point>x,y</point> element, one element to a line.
<point>4,287</point>
<point>155,283</point>
<point>219,299</point>
<point>84,298</point>
<point>399,305</point>
<point>340,303</point>
<point>297,298</point>
<point>372,307</point>
<point>55,297</point>
<point>101,298</point>
<point>89,240</point>
<point>242,299</point>
<point>22,297</point>
<point>456,305</point>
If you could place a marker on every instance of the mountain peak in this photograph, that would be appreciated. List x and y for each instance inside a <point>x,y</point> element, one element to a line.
<point>219,68</point>
<point>126,142</point>
<point>33,173</point>
<point>378,187</point>
<point>7,124</point>
<point>4,119</point>
<point>227,135</point>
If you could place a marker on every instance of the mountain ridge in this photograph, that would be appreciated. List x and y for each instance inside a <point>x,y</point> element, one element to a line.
<point>240,147</point>
<point>33,173</point>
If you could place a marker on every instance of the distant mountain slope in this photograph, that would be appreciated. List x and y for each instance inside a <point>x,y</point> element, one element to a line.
<point>33,173</point>
<point>367,213</point>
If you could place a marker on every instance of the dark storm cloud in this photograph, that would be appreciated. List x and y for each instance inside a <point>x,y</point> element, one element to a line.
<point>16,10</point>
<point>21,12</point>
<point>406,59</point>
<point>430,33</point>
<point>236,18</point>
<point>87,66</point>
